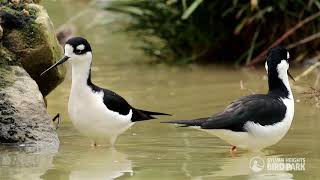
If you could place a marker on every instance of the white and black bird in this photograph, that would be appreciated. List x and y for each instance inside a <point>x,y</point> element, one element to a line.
<point>256,121</point>
<point>98,113</point>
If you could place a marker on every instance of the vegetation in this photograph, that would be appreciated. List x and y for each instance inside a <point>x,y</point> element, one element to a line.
<point>313,96</point>
<point>185,31</point>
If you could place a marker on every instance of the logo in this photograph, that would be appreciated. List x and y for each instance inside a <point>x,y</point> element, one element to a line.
<point>256,164</point>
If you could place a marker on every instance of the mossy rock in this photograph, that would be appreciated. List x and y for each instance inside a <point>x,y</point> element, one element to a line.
<point>23,115</point>
<point>27,47</point>
<point>32,40</point>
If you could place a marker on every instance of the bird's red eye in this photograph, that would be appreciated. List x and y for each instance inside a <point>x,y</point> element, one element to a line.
<point>77,51</point>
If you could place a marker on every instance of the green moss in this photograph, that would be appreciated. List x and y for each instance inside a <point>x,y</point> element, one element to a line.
<point>7,58</point>
<point>2,2</point>
<point>28,34</point>
<point>17,10</point>
<point>12,9</point>
<point>6,75</point>
<point>31,46</point>
<point>31,35</point>
<point>8,10</point>
<point>33,12</point>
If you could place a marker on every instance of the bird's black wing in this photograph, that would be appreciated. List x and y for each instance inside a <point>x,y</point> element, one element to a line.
<point>115,102</point>
<point>261,109</point>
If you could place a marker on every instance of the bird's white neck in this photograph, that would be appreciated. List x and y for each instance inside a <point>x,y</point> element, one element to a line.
<point>278,80</point>
<point>80,74</point>
<point>283,76</point>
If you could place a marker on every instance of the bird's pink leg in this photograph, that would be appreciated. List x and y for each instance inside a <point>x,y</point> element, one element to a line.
<point>233,151</point>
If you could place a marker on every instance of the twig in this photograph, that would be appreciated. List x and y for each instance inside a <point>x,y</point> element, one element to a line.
<point>304,40</point>
<point>316,83</point>
<point>253,43</point>
<point>190,9</point>
<point>309,70</point>
<point>184,5</point>
<point>242,87</point>
<point>259,58</point>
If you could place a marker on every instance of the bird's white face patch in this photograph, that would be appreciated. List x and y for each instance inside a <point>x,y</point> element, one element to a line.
<point>80,47</point>
<point>283,67</point>
<point>74,58</point>
<point>266,66</point>
<point>288,55</point>
<point>68,50</point>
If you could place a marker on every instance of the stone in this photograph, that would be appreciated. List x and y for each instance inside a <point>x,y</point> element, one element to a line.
<point>25,12</point>
<point>32,39</point>
<point>15,2</point>
<point>23,115</point>
<point>27,47</point>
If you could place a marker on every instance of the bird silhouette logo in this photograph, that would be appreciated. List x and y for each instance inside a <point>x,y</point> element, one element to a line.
<point>256,164</point>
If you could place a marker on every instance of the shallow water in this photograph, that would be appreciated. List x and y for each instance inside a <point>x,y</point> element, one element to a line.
<point>151,150</point>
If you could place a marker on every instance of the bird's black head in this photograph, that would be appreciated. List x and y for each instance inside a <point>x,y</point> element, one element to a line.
<point>278,61</point>
<point>77,45</point>
<point>276,55</point>
<point>277,66</point>
<point>76,50</point>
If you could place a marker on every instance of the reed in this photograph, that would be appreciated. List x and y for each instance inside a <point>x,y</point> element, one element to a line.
<point>186,31</point>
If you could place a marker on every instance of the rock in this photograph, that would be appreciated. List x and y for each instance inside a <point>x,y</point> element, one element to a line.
<point>25,12</point>
<point>28,46</point>
<point>32,39</point>
<point>23,116</point>
<point>15,2</point>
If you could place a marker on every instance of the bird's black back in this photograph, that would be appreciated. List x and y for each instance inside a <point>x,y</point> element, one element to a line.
<point>116,103</point>
<point>260,108</point>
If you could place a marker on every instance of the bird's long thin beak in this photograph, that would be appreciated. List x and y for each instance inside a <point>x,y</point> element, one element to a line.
<point>291,76</point>
<point>61,61</point>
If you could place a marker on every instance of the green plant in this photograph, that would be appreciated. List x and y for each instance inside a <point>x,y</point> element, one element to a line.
<point>184,31</point>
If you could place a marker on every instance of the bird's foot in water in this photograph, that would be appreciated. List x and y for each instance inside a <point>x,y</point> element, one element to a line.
<point>233,151</point>
<point>94,144</point>
<point>57,117</point>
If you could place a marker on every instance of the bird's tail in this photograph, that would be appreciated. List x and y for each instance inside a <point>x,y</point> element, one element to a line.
<point>142,115</point>
<point>154,113</point>
<point>194,122</point>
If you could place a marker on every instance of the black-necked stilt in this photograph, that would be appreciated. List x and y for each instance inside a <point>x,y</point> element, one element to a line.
<point>98,113</point>
<point>256,121</point>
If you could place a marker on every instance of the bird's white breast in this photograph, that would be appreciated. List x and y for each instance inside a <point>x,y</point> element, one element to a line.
<point>264,136</point>
<point>92,118</point>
